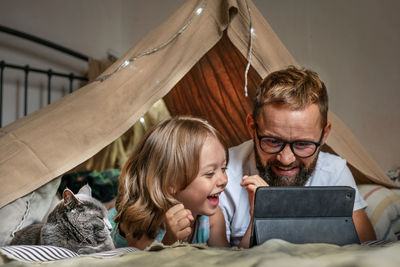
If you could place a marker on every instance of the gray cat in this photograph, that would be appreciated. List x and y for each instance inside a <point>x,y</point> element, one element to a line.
<point>79,223</point>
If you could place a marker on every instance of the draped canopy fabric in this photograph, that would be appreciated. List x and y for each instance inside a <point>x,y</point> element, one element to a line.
<point>47,143</point>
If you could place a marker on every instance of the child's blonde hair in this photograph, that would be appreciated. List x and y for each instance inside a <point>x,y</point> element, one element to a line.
<point>167,157</point>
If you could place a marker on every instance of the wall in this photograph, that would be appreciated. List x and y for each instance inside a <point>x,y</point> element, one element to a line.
<point>351,44</point>
<point>91,27</point>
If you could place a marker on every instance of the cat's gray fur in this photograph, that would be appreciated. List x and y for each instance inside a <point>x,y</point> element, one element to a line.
<point>79,223</point>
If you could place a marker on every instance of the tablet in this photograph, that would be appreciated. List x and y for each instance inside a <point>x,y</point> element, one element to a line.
<point>304,215</point>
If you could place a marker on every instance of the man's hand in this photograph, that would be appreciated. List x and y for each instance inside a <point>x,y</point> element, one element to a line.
<point>177,221</point>
<point>250,183</point>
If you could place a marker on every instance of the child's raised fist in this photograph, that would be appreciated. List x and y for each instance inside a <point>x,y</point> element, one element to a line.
<point>178,224</point>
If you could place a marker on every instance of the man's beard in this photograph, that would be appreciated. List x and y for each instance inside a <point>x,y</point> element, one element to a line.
<point>274,179</point>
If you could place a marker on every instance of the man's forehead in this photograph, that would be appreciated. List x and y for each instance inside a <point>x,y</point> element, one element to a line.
<point>283,121</point>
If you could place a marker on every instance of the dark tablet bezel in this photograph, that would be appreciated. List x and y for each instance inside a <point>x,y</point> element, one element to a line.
<point>294,206</point>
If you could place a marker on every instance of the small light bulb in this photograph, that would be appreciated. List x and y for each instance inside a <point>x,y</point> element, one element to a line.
<point>199,10</point>
<point>141,120</point>
<point>251,30</point>
<point>126,63</point>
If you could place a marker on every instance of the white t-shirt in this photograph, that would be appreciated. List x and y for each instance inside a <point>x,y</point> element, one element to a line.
<point>330,170</point>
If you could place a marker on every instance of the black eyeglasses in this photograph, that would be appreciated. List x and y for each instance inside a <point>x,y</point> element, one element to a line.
<point>300,148</point>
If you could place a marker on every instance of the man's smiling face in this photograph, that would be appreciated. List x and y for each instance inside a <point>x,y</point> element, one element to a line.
<point>278,120</point>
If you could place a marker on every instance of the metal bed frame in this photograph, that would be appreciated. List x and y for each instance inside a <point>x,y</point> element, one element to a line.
<point>27,69</point>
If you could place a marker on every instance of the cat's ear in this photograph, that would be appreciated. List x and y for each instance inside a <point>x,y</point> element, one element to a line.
<point>70,201</point>
<point>86,190</point>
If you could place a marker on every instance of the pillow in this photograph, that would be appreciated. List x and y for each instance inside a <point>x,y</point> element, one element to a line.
<point>36,253</point>
<point>52,253</point>
<point>383,210</point>
<point>26,210</point>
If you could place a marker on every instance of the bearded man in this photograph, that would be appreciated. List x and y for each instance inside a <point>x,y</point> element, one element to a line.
<point>288,126</point>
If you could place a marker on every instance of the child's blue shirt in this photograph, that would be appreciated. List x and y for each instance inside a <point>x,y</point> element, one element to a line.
<point>201,230</point>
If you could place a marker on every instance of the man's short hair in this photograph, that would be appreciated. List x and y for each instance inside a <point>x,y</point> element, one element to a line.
<point>294,87</point>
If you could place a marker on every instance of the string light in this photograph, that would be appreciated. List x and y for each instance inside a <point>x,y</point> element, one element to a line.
<point>180,31</point>
<point>151,51</point>
<point>199,10</point>
<point>250,49</point>
<point>126,63</point>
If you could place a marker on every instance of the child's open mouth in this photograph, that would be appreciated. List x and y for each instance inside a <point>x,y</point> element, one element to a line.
<point>214,199</point>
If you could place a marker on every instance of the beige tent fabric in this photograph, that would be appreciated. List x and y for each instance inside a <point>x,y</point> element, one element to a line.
<point>345,144</point>
<point>114,153</point>
<point>98,66</point>
<point>117,153</point>
<point>55,139</point>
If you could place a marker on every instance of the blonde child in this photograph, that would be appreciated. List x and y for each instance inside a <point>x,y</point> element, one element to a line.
<point>169,188</point>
